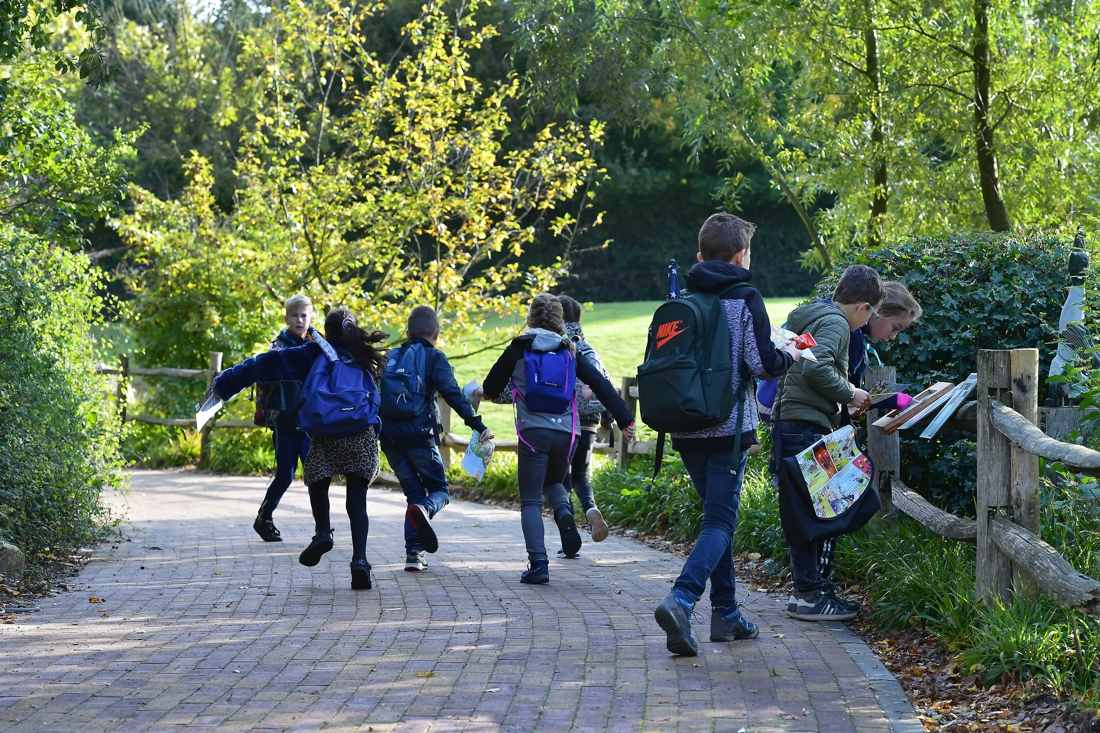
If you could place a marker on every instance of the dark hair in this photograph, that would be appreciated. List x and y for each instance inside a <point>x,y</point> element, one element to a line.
<point>859,284</point>
<point>570,309</point>
<point>724,235</point>
<point>343,332</point>
<point>423,322</point>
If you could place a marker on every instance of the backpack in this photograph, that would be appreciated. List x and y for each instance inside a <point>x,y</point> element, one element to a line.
<point>338,399</point>
<point>550,378</point>
<point>405,396</point>
<point>269,401</point>
<point>685,383</point>
<point>591,406</point>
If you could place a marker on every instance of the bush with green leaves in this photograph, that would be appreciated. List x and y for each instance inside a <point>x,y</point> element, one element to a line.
<point>978,291</point>
<point>58,432</point>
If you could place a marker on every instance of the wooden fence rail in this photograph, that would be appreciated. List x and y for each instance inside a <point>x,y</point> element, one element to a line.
<point>1011,558</point>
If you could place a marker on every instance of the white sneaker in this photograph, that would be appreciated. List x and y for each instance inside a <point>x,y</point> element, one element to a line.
<point>596,523</point>
<point>415,561</point>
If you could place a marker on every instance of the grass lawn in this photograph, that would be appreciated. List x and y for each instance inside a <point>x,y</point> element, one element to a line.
<point>616,330</point>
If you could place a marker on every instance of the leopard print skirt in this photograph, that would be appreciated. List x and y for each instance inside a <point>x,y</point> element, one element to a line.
<point>330,457</point>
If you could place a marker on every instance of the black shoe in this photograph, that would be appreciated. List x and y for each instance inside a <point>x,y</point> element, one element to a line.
<point>833,592</point>
<point>817,606</point>
<point>570,537</point>
<point>321,544</point>
<point>731,626</point>
<point>537,573</point>
<point>674,618</point>
<point>360,574</point>
<point>418,518</point>
<point>266,529</point>
<point>563,556</point>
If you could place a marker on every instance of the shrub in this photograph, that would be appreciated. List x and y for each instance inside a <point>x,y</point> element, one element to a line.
<point>58,434</point>
<point>978,291</point>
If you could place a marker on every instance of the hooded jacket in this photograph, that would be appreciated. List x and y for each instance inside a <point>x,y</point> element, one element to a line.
<point>816,392</point>
<point>509,368</point>
<point>750,344</point>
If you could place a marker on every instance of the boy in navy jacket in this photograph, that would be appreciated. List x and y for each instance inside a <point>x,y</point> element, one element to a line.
<point>415,372</point>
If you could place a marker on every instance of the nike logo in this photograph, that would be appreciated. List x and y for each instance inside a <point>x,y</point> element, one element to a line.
<point>668,331</point>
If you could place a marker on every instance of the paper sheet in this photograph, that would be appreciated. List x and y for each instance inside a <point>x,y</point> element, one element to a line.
<point>468,390</point>
<point>206,408</point>
<point>478,456</point>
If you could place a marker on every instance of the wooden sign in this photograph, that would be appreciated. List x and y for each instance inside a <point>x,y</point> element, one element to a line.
<point>930,397</point>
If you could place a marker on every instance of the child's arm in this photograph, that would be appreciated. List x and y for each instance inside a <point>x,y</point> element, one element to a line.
<point>605,391</point>
<point>773,362</point>
<point>443,380</point>
<point>501,372</point>
<point>824,376</point>
<point>270,366</point>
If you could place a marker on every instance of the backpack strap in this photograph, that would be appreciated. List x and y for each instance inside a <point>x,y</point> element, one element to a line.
<point>326,347</point>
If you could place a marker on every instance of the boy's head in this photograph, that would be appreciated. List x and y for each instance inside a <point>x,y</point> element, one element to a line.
<point>726,238</point>
<point>570,308</point>
<point>423,323</point>
<point>861,290</point>
<point>299,315</point>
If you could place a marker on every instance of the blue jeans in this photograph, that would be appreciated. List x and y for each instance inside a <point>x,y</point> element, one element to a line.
<point>424,481</point>
<point>291,446</point>
<point>796,437</point>
<point>712,555</point>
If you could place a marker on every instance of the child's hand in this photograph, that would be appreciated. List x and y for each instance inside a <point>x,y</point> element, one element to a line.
<point>628,433</point>
<point>861,401</point>
<point>478,392</point>
<point>791,348</point>
<point>486,435</point>
<point>586,392</point>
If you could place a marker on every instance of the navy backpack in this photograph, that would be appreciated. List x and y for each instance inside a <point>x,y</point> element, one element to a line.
<point>550,377</point>
<point>339,399</point>
<point>406,402</point>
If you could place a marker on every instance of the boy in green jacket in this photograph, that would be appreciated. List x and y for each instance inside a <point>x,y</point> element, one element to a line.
<point>814,393</point>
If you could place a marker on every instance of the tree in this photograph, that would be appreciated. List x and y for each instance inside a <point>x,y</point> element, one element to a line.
<point>369,183</point>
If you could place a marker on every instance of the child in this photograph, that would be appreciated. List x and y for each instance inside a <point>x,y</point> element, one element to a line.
<point>813,394</point>
<point>276,405</point>
<point>589,410</point>
<point>410,436</point>
<point>715,458</point>
<point>898,310</point>
<point>547,438</point>
<point>353,456</point>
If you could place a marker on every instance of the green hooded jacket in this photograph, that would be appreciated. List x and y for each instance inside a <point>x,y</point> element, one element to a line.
<point>816,392</point>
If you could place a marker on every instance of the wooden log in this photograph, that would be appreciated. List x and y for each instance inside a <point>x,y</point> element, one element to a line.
<point>102,368</point>
<point>1023,488</point>
<point>189,422</point>
<point>1021,432</point>
<point>1058,579</point>
<point>214,370</point>
<point>993,568</point>
<point>942,523</point>
<point>629,393</point>
<point>884,449</point>
<point>1059,422</point>
<point>171,372</point>
<point>457,442</point>
<point>121,385</point>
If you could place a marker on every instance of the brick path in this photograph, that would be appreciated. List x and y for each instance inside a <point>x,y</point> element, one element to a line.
<point>204,626</point>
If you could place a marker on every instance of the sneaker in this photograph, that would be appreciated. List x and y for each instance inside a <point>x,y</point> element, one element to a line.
<point>570,537</point>
<point>537,573</point>
<point>415,561</point>
<point>418,518</point>
<point>597,525</point>
<point>674,617</point>
<point>563,556</point>
<point>833,592</point>
<point>266,529</point>
<point>819,606</point>
<point>321,544</point>
<point>360,574</point>
<point>731,626</point>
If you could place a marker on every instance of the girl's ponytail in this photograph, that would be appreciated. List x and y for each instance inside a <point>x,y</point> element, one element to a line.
<point>342,330</point>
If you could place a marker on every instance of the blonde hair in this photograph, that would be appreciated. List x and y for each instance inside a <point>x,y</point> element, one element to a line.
<point>295,303</point>
<point>899,302</point>
<point>545,311</point>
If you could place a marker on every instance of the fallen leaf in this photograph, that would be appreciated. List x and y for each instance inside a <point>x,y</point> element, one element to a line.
<point>217,572</point>
<point>424,674</point>
<point>93,599</point>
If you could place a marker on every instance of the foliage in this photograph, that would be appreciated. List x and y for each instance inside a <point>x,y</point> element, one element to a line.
<point>366,185</point>
<point>58,436</point>
<point>28,25</point>
<point>978,292</point>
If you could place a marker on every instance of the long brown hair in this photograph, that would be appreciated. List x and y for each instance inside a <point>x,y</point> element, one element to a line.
<point>899,302</point>
<point>342,331</point>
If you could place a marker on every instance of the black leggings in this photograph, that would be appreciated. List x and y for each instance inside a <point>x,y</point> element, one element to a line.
<point>356,506</point>
<point>577,479</point>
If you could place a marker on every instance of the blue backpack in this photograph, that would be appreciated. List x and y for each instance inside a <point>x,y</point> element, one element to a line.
<point>406,399</point>
<point>339,399</point>
<point>551,377</point>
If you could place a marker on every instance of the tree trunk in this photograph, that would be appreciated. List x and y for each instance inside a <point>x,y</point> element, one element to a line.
<point>878,153</point>
<point>995,211</point>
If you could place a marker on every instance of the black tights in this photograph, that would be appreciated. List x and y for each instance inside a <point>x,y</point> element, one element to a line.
<point>356,506</point>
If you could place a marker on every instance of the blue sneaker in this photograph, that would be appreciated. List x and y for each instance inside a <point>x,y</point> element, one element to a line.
<point>674,617</point>
<point>726,625</point>
<point>537,573</point>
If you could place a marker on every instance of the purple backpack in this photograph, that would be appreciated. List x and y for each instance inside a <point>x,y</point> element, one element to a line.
<point>339,399</point>
<point>551,377</point>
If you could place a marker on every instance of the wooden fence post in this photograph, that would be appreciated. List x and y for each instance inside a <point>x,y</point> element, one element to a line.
<point>204,445</point>
<point>1024,487</point>
<point>445,421</point>
<point>994,569</point>
<point>632,405</point>
<point>883,450</point>
<point>120,389</point>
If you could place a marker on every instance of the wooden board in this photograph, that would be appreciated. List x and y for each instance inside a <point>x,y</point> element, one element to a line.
<point>894,419</point>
